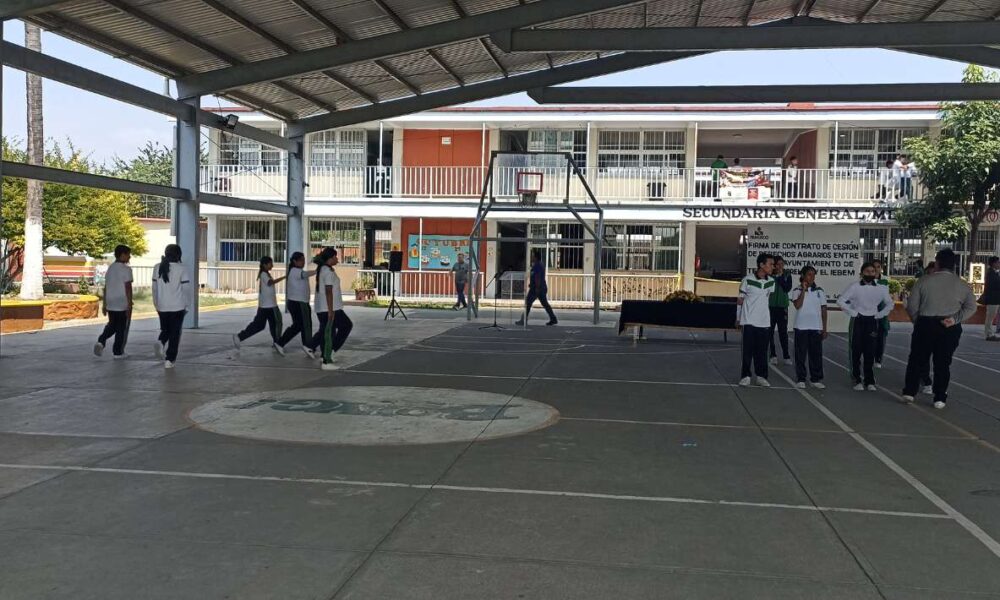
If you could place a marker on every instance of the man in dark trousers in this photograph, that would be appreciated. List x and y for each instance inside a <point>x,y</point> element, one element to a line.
<point>537,289</point>
<point>991,297</point>
<point>937,306</point>
<point>778,305</point>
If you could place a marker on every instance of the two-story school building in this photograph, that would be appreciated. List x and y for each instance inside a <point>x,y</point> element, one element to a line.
<point>670,220</point>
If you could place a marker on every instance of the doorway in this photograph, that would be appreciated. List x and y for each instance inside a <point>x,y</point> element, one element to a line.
<point>512,256</point>
<point>720,252</point>
<point>378,243</point>
<point>378,181</point>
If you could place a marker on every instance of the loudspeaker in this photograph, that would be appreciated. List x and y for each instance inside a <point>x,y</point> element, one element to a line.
<point>396,261</point>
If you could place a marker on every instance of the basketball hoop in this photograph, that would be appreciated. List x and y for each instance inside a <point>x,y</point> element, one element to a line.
<point>529,183</point>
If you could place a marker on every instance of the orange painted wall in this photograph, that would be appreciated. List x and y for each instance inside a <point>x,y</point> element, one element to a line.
<point>804,148</point>
<point>425,148</point>
<point>411,226</point>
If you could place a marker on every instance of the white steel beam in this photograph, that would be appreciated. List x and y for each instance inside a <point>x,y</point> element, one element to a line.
<point>187,151</point>
<point>115,184</point>
<point>899,92</point>
<point>246,203</point>
<point>679,39</point>
<point>12,9</point>
<point>480,91</point>
<point>393,44</point>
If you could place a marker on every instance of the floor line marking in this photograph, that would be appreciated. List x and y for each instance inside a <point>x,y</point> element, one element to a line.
<point>991,369</point>
<point>475,489</point>
<point>582,379</point>
<point>991,544</point>
<point>420,347</point>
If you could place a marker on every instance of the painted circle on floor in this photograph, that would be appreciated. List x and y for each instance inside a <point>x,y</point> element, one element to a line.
<point>373,415</point>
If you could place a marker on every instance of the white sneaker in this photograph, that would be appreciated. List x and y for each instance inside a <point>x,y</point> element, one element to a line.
<point>120,356</point>
<point>872,388</point>
<point>929,390</point>
<point>168,364</point>
<point>774,360</point>
<point>763,382</point>
<point>819,385</point>
<point>939,405</point>
<point>159,349</point>
<point>311,354</point>
<point>788,362</point>
<point>328,366</point>
<point>907,399</point>
<point>745,382</point>
<point>878,365</point>
<point>801,385</point>
<point>278,349</point>
<point>859,387</point>
<point>98,349</point>
<point>236,341</point>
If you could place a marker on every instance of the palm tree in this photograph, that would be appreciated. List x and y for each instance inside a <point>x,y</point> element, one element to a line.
<point>31,277</point>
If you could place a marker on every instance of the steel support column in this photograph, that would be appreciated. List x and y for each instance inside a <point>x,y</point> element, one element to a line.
<point>296,198</point>
<point>188,148</point>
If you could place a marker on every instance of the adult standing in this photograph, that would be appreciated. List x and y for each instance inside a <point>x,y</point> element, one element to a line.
<point>991,297</point>
<point>461,271</point>
<point>717,167</point>
<point>755,320</point>
<point>938,305</point>
<point>906,178</point>
<point>792,179</point>
<point>778,306</point>
<point>537,289</point>
<point>897,176</point>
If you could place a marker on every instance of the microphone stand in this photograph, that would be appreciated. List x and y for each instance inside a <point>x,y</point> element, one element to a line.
<point>495,325</point>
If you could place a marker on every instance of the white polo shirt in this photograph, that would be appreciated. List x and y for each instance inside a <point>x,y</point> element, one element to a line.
<point>810,316</point>
<point>267,296</point>
<point>297,285</point>
<point>756,295</point>
<point>117,276</point>
<point>328,278</point>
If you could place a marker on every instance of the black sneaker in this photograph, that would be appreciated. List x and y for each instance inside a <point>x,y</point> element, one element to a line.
<point>553,322</point>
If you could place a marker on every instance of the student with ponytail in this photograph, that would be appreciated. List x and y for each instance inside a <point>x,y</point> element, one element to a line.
<point>172,299</point>
<point>297,303</point>
<point>268,312</point>
<point>334,325</point>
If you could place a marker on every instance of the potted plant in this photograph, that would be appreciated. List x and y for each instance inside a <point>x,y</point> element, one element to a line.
<point>364,288</point>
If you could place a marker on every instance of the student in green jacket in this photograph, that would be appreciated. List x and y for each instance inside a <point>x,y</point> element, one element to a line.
<point>880,279</point>
<point>778,303</point>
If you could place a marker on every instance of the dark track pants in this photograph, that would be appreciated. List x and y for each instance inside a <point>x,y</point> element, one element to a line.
<point>541,297</point>
<point>117,327</point>
<point>779,321</point>
<point>332,333</point>
<point>809,345</point>
<point>171,324</point>
<point>881,339</point>
<point>302,323</point>
<point>755,351</point>
<point>864,333</point>
<point>931,341</point>
<point>271,317</point>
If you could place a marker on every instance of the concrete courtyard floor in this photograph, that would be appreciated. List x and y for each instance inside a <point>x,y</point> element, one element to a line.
<point>580,466</point>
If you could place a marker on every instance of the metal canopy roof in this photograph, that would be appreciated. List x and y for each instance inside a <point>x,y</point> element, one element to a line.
<point>184,38</point>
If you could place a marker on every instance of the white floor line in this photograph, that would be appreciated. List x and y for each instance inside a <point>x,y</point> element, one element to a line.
<point>991,544</point>
<point>952,382</point>
<point>991,369</point>
<point>560,350</point>
<point>475,489</point>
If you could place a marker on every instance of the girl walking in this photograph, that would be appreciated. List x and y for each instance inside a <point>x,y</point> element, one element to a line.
<point>297,303</point>
<point>268,312</point>
<point>117,303</point>
<point>172,298</point>
<point>809,301</point>
<point>334,326</point>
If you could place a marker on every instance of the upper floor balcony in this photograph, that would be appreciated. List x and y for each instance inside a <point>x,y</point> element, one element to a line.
<point>617,186</point>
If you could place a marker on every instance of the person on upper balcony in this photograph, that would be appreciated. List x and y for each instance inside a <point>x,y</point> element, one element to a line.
<point>792,178</point>
<point>906,178</point>
<point>718,165</point>
<point>886,184</point>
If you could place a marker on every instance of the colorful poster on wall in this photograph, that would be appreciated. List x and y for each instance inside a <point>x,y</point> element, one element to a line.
<point>438,251</point>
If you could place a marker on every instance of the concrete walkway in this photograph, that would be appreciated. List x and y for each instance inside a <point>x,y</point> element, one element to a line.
<point>578,466</point>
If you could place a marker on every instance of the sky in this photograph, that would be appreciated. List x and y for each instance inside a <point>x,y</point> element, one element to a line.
<point>105,128</point>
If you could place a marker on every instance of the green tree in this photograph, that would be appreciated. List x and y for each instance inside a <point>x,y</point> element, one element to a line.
<point>78,220</point>
<point>960,168</point>
<point>153,164</point>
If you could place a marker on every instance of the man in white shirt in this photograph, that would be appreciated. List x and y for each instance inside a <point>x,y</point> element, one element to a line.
<point>862,301</point>
<point>809,301</point>
<point>117,303</point>
<point>755,320</point>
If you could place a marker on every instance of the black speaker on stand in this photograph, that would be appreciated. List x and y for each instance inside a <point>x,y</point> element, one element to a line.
<point>395,266</point>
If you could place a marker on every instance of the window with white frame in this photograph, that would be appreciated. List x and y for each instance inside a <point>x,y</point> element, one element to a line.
<point>641,247</point>
<point>860,149</point>
<point>899,249</point>
<point>247,153</point>
<point>338,148</point>
<point>559,254</point>
<point>573,141</point>
<point>246,240</point>
<point>619,150</point>
<point>344,235</point>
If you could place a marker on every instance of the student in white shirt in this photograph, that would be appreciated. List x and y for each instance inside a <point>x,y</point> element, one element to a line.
<point>809,301</point>
<point>755,320</point>
<point>268,312</point>
<point>792,179</point>
<point>906,172</point>
<point>885,182</point>
<point>334,326</point>
<point>297,303</point>
<point>866,302</point>
<point>897,175</point>
<point>172,298</point>
<point>117,304</point>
